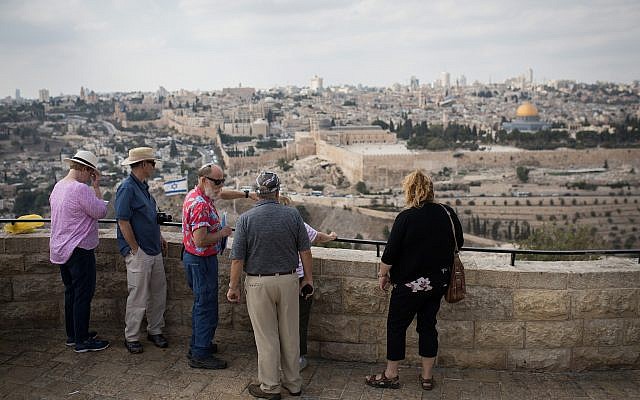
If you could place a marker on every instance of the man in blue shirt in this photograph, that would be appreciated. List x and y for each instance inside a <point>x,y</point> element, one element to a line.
<point>142,246</point>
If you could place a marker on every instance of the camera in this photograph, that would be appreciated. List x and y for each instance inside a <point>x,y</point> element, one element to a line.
<point>162,217</point>
<point>307,290</point>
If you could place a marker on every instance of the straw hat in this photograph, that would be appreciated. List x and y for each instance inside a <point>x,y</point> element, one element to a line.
<point>84,157</point>
<point>139,154</point>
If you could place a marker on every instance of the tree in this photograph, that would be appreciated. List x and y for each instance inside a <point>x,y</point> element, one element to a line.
<point>551,237</point>
<point>358,246</point>
<point>283,164</point>
<point>386,232</point>
<point>361,187</point>
<point>173,151</point>
<point>381,124</point>
<point>523,174</point>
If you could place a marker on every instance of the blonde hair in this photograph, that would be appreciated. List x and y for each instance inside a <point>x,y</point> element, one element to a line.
<point>418,189</point>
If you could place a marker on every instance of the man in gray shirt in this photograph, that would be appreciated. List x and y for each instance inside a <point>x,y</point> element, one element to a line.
<point>267,242</point>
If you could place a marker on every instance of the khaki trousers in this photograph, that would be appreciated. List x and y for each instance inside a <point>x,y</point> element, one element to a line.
<point>272,302</point>
<point>147,294</point>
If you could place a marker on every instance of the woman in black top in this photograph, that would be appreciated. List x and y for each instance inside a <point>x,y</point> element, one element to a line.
<point>417,261</point>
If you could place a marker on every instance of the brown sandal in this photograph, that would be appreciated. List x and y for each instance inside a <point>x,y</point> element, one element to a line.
<point>383,382</point>
<point>427,384</point>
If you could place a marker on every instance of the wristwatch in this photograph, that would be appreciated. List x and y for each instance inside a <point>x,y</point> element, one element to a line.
<point>246,194</point>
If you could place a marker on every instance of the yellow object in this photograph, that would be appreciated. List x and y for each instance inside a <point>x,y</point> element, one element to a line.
<point>527,110</point>
<point>24,227</point>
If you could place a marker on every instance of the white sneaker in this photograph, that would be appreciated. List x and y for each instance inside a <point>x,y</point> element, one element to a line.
<point>303,363</point>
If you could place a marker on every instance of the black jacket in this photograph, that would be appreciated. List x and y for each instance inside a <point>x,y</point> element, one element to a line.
<point>421,244</point>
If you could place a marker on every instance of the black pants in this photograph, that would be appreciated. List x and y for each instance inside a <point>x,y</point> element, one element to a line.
<point>79,278</point>
<point>403,307</point>
<point>305,312</point>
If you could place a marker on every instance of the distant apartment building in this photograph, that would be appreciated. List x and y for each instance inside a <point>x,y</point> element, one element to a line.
<point>245,93</point>
<point>18,96</point>
<point>316,83</point>
<point>348,135</point>
<point>43,95</point>
<point>414,84</point>
<point>445,80</point>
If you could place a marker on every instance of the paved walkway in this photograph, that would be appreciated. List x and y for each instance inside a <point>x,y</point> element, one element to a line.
<point>35,364</point>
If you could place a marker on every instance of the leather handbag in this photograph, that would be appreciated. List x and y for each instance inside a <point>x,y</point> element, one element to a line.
<point>457,288</point>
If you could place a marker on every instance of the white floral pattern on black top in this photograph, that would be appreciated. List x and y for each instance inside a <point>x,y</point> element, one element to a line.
<point>420,284</point>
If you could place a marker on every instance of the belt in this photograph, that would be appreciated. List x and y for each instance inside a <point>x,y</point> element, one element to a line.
<point>274,274</point>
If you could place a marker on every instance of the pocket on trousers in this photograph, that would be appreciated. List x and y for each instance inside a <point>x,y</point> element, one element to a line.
<point>135,261</point>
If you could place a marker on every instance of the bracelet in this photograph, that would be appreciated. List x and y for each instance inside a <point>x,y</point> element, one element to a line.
<point>231,287</point>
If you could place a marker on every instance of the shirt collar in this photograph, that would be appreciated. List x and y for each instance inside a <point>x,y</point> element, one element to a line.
<point>200,192</point>
<point>265,201</point>
<point>142,184</point>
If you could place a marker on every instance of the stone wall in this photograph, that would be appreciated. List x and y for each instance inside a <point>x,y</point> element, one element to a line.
<point>387,170</point>
<point>548,316</point>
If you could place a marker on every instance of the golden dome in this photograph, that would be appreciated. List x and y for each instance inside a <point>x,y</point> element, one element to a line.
<point>527,110</point>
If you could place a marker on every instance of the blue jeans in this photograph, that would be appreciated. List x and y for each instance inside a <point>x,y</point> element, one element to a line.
<point>79,278</point>
<point>202,277</point>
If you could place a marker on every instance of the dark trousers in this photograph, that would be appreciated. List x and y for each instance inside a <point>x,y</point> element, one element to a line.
<point>79,278</point>
<point>305,312</point>
<point>202,277</point>
<point>403,307</point>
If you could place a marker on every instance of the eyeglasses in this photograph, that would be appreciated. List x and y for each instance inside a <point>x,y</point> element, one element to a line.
<point>152,162</point>
<point>216,182</point>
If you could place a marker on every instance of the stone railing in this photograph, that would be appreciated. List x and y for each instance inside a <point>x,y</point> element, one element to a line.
<point>548,316</point>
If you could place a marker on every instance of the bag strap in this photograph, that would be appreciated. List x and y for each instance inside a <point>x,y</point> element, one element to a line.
<point>453,229</point>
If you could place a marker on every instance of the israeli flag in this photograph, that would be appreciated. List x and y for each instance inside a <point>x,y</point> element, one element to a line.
<point>176,186</point>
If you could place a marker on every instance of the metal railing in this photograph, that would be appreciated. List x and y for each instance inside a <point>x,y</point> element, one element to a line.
<point>379,243</point>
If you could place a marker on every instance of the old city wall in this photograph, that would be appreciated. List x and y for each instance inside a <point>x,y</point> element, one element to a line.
<point>543,316</point>
<point>350,163</point>
<point>177,123</point>
<point>237,165</point>
<point>387,170</point>
<point>562,158</point>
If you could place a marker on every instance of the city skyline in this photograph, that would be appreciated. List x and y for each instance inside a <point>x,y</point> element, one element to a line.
<point>196,44</point>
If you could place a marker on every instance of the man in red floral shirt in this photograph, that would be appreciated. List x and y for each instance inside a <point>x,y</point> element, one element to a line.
<point>203,233</point>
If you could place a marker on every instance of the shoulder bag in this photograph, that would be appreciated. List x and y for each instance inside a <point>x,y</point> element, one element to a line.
<point>457,287</point>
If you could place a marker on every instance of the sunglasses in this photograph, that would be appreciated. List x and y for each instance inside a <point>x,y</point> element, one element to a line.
<point>152,162</point>
<point>216,182</point>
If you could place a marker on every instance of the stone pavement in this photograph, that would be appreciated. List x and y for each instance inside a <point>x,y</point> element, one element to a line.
<point>35,364</point>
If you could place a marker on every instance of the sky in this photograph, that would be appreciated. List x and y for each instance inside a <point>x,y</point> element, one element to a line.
<point>129,45</point>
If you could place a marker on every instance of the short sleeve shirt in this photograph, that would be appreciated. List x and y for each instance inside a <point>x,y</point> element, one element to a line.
<point>135,204</point>
<point>198,211</point>
<point>312,233</point>
<point>269,238</point>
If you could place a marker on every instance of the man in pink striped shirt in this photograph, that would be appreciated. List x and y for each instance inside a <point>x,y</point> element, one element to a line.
<point>75,210</point>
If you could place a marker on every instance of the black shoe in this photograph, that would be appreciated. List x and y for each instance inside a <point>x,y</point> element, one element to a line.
<point>159,340</point>
<point>72,342</point>
<point>298,393</point>
<point>208,363</point>
<point>133,347</point>
<point>91,345</point>
<point>213,349</point>
<point>256,391</point>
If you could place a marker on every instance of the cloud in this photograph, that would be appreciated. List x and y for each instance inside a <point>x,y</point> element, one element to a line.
<point>218,42</point>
